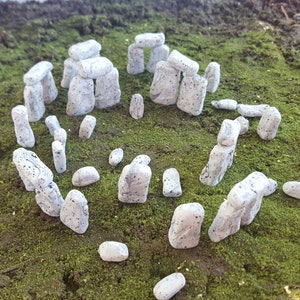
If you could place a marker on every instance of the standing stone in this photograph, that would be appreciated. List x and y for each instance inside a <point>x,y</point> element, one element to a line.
<point>136,108</point>
<point>252,110</point>
<point>135,60</point>
<point>70,71</point>
<point>171,183</point>
<point>50,199</point>
<point>165,84</point>
<point>23,131</point>
<point>212,74</point>
<point>134,183</point>
<point>60,135</point>
<point>228,104</point>
<point>85,176</point>
<point>192,94</point>
<point>59,156</point>
<point>116,156</point>
<point>81,98</point>
<point>170,285</point>
<point>87,127</point>
<point>185,228</point>
<point>113,251</point>
<point>50,92</point>
<point>269,123</point>
<point>292,189</point>
<point>108,92</point>
<point>74,212</point>
<point>158,53</point>
<point>52,124</point>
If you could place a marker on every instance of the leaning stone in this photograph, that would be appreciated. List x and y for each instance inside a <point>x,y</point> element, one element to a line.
<point>292,189</point>
<point>212,74</point>
<point>50,200</point>
<point>244,124</point>
<point>150,40</point>
<point>52,124</point>
<point>85,176</point>
<point>192,94</point>
<point>23,131</point>
<point>92,68</point>
<point>220,159</point>
<point>170,285</point>
<point>87,127</point>
<point>229,133</point>
<point>134,183</point>
<point>60,135</point>
<point>108,92</point>
<point>251,111</point>
<point>136,108</point>
<point>228,104</point>
<point>37,72</point>
<point>70,71</point>
<point>143,159</point>
<point>135,60</point>
<point>81,98</point>
<point>165,84</point>
<point>116,156</point>
<point>84,50</point>
<point>59,157</point>
<point>269,123</point>
<point>183,63</point>
<point>113,251</point>
<point>49,88</point>
<point>171,183</point>
<point>159,53</point>
<point>74,212</point>
<point>184,232</point>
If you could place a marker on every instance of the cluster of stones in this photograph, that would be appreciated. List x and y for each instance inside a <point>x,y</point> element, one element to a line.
<point>83,66</point>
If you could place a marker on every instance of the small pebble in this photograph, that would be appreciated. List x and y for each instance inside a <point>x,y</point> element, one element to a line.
<point>171,183</point>
<point>87,127</point>
<point>292,189</point>
<point>142,159</point>
<point>136,108</point>
<point>113,251</point>
<point>85,176</point>
<point>116,156</point>
<point>228,104</point>
<point>269,123</point>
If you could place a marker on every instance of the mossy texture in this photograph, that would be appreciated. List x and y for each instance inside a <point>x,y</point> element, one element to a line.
<point>40,258</point>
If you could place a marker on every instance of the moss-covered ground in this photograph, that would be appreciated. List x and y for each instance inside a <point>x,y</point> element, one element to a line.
<point>40,258</point>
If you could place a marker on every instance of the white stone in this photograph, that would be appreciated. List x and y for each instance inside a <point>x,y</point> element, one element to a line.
<point>37,72</point>
<point>70,71</point>
<point>60,135</point>
<point>229,133</point>
<point>108,92</point>
<point>165,84</point>
<point>52,124</point>
<point>143,159</point>
<point>87,127</point>
<point>75,212</point>
<point>228,104</point>
<point>150,40</point>
<point>170,285</point>
<point>85,176</point>
<point>213,75</point>
<point>136,108</point>
<point>50,200</point>
<point>183,63</point>
<point>159,53</point>
<point>171,183</point>
<point>84,50</point>
<point>269,123</point>
<point>59,156</point>
<point>116,156</point>
<point>50,92</point>
<point>244,124</point>
<point>92,68</point>
<point>134,183</point>
<point>292,189</point>
<point>113,251</point>
<point>192,94</point>
<point>251,110</point>
<point>81,98</point>
<point>135,60</point>
<point>185,228</point>
<point>24,134</point>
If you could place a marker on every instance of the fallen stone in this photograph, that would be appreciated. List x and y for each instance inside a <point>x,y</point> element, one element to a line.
<point>228,104</point>
<point>24,134</point>
<point>185,228</point>
<point>292,189</point>
<point>87,127</point>
<point>92,68</point>
<point>113,251</point>
<point>171,183</point>
<point>116,156</point>
<point>244,124</point>
<point>213,75</point>
<point>150,40</point>
<point>84,50</point>
<point>170,285</point>
<point>59,156</point>
<point>52,124</point>
<point>74,212</point>
<point>143,159</point>
<point>269,123</point>
<point>158,53</point>
<point>229,133</point>
<point>251,111</point>
<point>136,108</point>
<point>85,176</point>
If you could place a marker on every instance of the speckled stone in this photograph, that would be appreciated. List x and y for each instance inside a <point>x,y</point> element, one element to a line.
<point>74,212</point>
<point>229,133</point>
<point>59,156</point>
<point>228,104</point>
<point>251,111</point>
<point>70,71</point>
<point>185,228</point>
<point>143,159</point>
<point>37,72</point>
<point>244,124</point>
<point>269,123</point>
<point>149,40</point>
<point>169,286</point>
<point>136,108</point>
<point>85,176</point>
<point>113,251</point>
<point>292,189</point>
<point>213,75</point>
<point>60,135</point>
<point>84,50</point>
<point>52,124</point>
<point>50,91</point>
<point>171,183</point>
<point>116,156</point>
<point>135,60</point>
<point>158,53</point>
<point>87,127</point>
<point>92,68</point>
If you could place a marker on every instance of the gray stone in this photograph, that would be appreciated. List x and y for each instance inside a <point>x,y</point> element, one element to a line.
<point>59,156</point>
<point>85,176</point>
<point>150,40</point>
<point>136,108</point>
<point>50,92</point>
<point>171,183</point>
<point>244,124</point>
<point>84,50</point>
<point>70,71</point>
<point>251,110</point>
<point>113,251</point>
<point>269,123</point>
<point>92,68</point>
<point>228,104</point>
<point>143,159</point>
<point>292,189</point>
<point>60,135</point>
<point>52,124</point>
<point>229,133</point>
<point>135,60</point>
<point>87,127</point>
<point>185,228</point>
<point>74,212</point>
<point>37,72</point>
<point>116,156</point>
<point>158,53</point>
<point>213,75</point>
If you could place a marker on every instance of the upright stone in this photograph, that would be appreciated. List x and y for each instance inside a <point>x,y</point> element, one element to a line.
<point>136,108</point>
<point>116,156</point>
<point>59,156</point>
<point>87,127</point>
<point>52,124</point>
<point>229,133</point>
<point>213,75</point>
<point>50,92</point>
<point>70,71</point>
<point>60,135</point>
<point>158,53</point>
<point>269,123</point>
<point>171,183</point>
<point>135,60</point>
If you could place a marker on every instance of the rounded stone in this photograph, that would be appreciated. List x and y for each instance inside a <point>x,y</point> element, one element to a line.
<point>113,251</point>
<point>85,176</point>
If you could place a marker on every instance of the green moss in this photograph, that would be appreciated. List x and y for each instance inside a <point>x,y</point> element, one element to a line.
<point>45,260</point>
